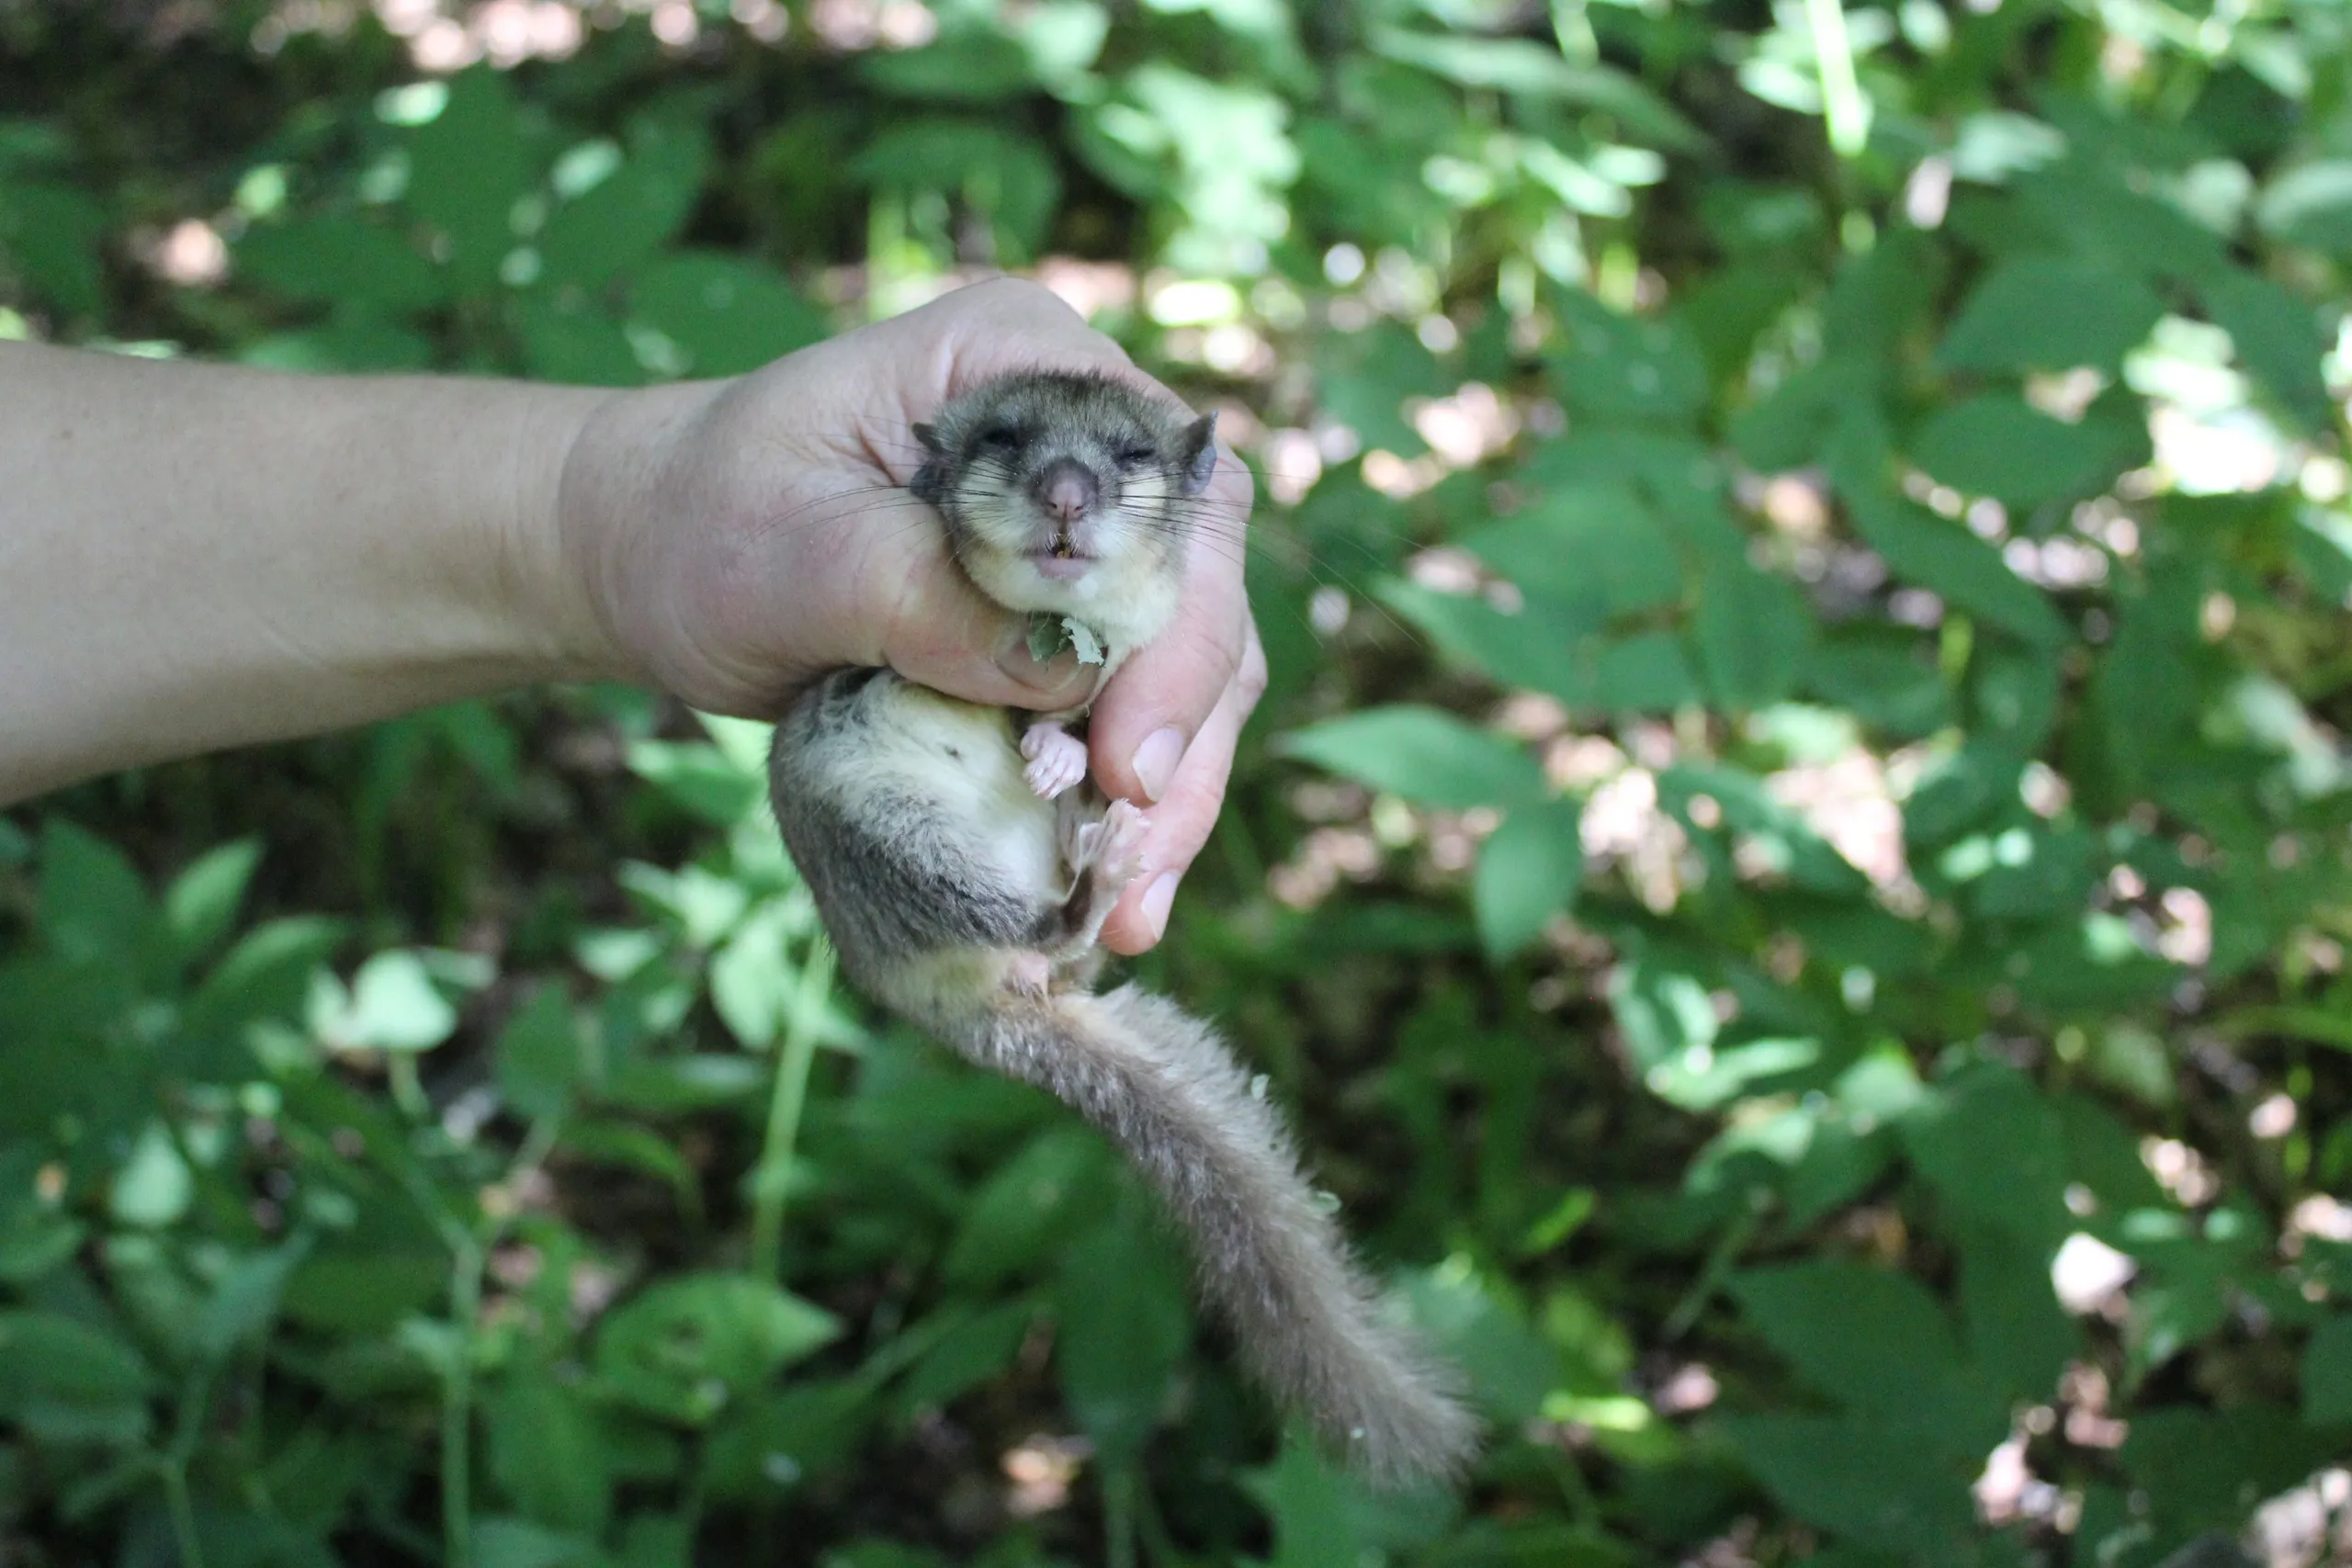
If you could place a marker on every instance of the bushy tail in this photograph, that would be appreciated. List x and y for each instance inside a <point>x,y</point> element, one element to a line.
<point>1163,1087</point>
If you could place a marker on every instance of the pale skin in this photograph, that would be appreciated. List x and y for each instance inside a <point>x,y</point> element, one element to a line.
<point>194,558</point>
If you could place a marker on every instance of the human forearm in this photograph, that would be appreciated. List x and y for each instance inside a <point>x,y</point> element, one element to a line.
<point>199,557</point>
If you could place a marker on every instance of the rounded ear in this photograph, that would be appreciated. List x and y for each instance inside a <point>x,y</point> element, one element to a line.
<point>928,435</point>
<point>1200,453</point>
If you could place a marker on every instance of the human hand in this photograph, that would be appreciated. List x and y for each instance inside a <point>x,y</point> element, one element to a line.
<point>734,540</point>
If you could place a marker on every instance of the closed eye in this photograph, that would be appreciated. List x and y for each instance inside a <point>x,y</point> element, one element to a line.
<point>999,438</point>
<point>1135,456</point>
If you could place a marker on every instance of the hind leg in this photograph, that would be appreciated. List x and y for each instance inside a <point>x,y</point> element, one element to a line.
<point>1106,854</point>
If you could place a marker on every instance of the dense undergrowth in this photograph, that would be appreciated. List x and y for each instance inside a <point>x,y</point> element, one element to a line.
<point>1793,869</point>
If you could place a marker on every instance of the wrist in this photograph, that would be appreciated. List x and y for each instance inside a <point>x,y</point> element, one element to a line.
<point>565,499</point>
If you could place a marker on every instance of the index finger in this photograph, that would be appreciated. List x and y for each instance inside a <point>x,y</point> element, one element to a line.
<point>1146,718</point>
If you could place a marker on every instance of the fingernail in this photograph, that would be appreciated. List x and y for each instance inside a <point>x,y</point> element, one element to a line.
<point>1157,899</point>
<point>1156,758</point>
<point>1012,656</point>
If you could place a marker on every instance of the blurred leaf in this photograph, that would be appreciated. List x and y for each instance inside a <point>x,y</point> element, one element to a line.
<point>1120,1308</point>
<point>1625,367</point>
<point>92,902</point>
<point>1754,633</point>
<point>46,1357</point>
<point>1520,66</point>
<point>1423,754</point>
<point>153,1187</point>
<point>2277,340</point>
<point>975,1351</point>
<point>1958,565</point>
<point>1879,1486</point>
<point>538,1054</point>
<point>53,236</point>
<point>1528,871</point>
<point>337,258</point>
<point>2327,1373</point>
<point>362,1294</point>
<point>202,902</point>
<point>2208,1469</point>
<point>1877,1342</point>
<point>518,1543</point>
<point>1028,1209</point>
<point>728,316</point>
<point>1991,1147</point>
<point>1996,444</point>
<point>684,1349</point>
<point>2311,206</point>
<point>467,170</point>
<point>2050,314</point>
<point>547,1453</point>
<point>395,1006</point>
<point>620,222</point>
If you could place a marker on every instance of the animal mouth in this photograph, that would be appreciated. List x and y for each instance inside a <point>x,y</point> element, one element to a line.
<point>1061,557</point>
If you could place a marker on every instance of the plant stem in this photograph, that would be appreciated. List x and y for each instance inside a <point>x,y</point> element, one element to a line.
<point>1847,111</point>
<point>183,1512</point>
<point>1119,1517</point>
<point>794,1059</point>
<point>457,1406</point>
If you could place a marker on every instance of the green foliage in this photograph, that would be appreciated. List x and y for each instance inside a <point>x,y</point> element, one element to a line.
<point>1793,865</point>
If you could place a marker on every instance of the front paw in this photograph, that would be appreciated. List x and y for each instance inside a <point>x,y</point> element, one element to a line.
<point>1056,760</point>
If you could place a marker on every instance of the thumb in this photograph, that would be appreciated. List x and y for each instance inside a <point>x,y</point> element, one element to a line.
<point>948,635</point>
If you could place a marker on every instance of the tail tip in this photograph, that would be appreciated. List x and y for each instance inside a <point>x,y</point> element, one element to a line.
<point>1431,1440</point>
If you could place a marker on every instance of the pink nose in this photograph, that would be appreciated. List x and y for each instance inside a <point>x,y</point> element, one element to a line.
<point>1066,491</point>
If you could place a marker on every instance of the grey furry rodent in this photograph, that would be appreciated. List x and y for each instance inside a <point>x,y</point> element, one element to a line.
<point>965,900</point>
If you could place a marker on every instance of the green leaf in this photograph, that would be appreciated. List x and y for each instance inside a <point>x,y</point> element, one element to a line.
<point>729,315</point>
<point>1968,572</point>
<point>395,1006</point>
<point>47,1357</point>
<point>538,1054</point>
<point>1874,1341</point>
<point>2327,1373</point>
<point>346,1293</point>
<point>2208,1469</point>
<point>968,1355</point>
<point>1754,633</point>
<point>267,975</point>
<point>573,343</point>
<point>518,1543</point>
<point>1573,544</point>
<point>54,236</point>
<point>1627,368</point>
<point>1424,755</point>
<point>1997,445</point>
<point>2310,204</point>
<point>1124,1320</point>
<point>153,1187</point>
<point>1528,871</point>
<point>1879,1486</point>
<point>1991,1147</point>
<point>619,222</point>
<point>339,259</point>
<point>2049,313</point>
<point>467,170</point>
<point>92,902</point>
<point>2016,1330</point>
<point>699,777</point>
<point>245,1299</point>
<point>548,1453</point>
<point>202,902</point>
<point>1530,70</point>
<point>685,1348</point>
<point>1025,1211</point>
<point>2277,339</point>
